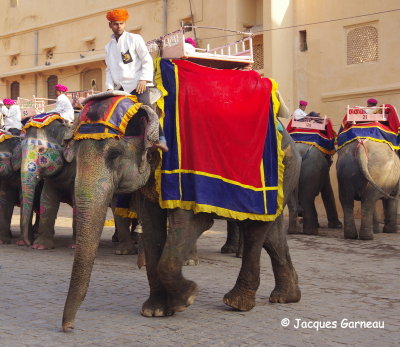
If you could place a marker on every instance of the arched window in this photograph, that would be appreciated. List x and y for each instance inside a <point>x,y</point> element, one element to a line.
<point>51,93</point>
<point>14,90</point>
<point>362,45</point>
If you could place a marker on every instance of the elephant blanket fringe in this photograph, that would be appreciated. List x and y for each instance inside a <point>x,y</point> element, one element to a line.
<point>41,120</point>
<point>323,140</point>
<point>123,206</point>
<point>224,153</point>
<point>106,117</point>
<point>386,132</point>
<point>5,136</point>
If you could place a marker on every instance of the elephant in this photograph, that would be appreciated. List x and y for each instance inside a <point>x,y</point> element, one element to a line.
<point>10,186</point>
<point>314,179</point>
<point>368,171</point>
<point>109,166</point>
<point>42,158</point>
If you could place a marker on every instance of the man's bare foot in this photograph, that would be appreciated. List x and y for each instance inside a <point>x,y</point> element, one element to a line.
<point>161,145</point>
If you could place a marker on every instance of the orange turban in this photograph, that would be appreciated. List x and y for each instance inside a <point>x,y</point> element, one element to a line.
<point>117,15</point>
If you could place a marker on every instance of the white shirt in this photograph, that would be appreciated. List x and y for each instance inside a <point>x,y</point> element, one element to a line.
<point>138,64</point>
<point>299,114</point>
<point>64,108</point>
<point>12,117</point>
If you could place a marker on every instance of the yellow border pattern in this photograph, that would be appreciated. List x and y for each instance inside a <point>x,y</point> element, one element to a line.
<point>196,207</point>
<point>41,125</point>
<point>4,137</point>
<point>121,129</point>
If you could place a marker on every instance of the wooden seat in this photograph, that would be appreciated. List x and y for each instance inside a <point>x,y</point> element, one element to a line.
<point>317,123</point>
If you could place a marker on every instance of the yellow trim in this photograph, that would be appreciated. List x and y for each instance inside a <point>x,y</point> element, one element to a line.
<point>160,86</point>
<point>41,125</point>
<point>196,208</point>
<point>367,127</point>
<point>281,153</point>
<point>200,173</point>
<point>96,136</point>
<point>178,129</point>
<point>128,116</point>
<point>369,138</point>
<point>323,150</point>
<point>4,137</point>
<point>125,213</point>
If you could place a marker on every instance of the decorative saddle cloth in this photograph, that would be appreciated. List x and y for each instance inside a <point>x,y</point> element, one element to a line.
<point>323,140</point>
<point>106,117</point>
<point>386,132</point>
<point>41,120</point>
<point>5,136</point>
<point>224,153</point>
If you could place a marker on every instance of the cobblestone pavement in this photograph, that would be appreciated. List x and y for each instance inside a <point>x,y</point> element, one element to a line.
<point>340,280</point>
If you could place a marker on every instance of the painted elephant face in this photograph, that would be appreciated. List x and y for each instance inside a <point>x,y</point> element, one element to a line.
<point>10,157</point>
<point>41,157</point>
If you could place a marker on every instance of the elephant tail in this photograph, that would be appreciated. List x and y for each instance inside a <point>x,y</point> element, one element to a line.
<point>362,159</point>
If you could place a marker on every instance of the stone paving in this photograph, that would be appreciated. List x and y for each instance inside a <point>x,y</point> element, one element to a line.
<point>342,282</point>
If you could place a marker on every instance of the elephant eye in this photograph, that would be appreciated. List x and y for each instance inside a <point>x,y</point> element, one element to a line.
<point>113,154</point>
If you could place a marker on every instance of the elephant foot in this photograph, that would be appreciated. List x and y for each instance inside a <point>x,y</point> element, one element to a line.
<point>43,243</point>
<point>180,299</point>
<point>122,250</point>
<point>389,230</point>
<point>193,261</point>
<point>21,243</point>
<point>369,236</point>
<point>310,231</point>
<point>284,294</point>
<point>242,300</point>
<point>156,306</point>
<point>335,224</point>
<point>239,254</point>
<point>67,327</point>
<point>41,246</point>
<point>229,248</point>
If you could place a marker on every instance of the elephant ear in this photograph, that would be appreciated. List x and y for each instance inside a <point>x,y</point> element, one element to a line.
<point>16,157</point>
<point>69,151</point>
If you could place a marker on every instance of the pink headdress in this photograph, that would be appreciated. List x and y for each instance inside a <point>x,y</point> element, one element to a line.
<point>303,103</point>
<point>191,41</point>
<point>60,88</point>
<point>8,102</point>
<point>372,101</point>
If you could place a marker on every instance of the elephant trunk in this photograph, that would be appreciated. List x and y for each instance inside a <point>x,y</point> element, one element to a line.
<point>362,159</point>
<point>93,193</point>
<point>29,180</point>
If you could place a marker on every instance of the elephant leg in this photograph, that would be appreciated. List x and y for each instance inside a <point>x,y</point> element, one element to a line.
<point>330,206</point>
<point>293,206</point>
<point>367,217</point>
<point>154,226</point>
<point>232,240</point>
<point>184,229</point>
<point>243,295</point>
<point>286,281</point>
<point>310,216</point>
<point>7,200</point>
<point>390,209</point>
<point>49,205</point>
<point>126,243</point>
<point>376,227</point>
<point>349,228</point>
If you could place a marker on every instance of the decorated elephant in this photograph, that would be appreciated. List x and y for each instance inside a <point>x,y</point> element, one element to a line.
<point>42,158</point>
<point>10,182</point>
<point>368,169</point>
<point>10,185</point>
<point>316,144</point>
<point>368,173</point>
<point>109,165</point>
<point>314,179</point>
